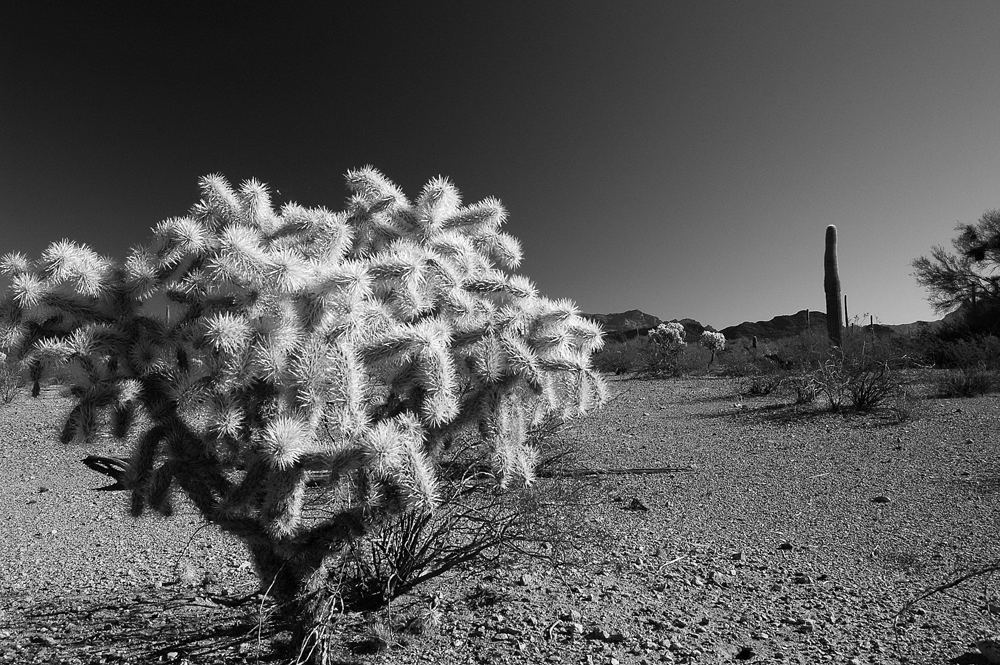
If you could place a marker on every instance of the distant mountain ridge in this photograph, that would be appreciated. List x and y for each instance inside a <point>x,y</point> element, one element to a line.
<point>634,322</point>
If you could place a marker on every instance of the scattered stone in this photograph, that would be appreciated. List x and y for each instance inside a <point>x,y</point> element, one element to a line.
<point>720,579</point>
<point>636,504</point>
<point>990,650</point>
<point>572,616</point>
<point>599,634</point>
<point>618,637</point>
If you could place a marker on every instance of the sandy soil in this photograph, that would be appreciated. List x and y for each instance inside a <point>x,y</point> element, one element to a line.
<point>794,536</point>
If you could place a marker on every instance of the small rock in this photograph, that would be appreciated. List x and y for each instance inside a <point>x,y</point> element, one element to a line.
<point>44,639</point>
<point>737,556</point>
<point>785,547</point>
<point>526,580</point>
<point>881,499</point>
<point>636,504</point>
<point>990,650</point>
<point>573,616</point>
<point>576,628</point>
<point>599,634</point>
<point>720,579</point>
<point>745,653</point>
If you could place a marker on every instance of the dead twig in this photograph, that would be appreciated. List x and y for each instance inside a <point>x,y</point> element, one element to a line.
<point>941,588</point>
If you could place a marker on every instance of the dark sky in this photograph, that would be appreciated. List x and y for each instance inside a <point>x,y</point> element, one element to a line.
<point>683,158</point>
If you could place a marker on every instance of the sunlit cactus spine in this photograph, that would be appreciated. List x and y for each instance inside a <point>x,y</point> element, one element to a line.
<point>304,348</point>
<point>831,286</point>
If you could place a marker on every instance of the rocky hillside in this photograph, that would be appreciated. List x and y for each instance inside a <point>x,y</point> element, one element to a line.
<point>626,325</point>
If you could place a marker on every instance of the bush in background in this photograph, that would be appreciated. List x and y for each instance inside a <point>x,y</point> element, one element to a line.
<point>968,382</point>
<point>10,381</point>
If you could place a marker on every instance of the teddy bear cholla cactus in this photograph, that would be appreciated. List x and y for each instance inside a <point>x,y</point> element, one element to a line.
<point>304,346</point>
<point>670,334</point>
<point>713,341</point>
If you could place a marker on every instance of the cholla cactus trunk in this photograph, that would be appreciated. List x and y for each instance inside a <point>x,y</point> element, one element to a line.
<point>306,352</point>
<point>831,286</point>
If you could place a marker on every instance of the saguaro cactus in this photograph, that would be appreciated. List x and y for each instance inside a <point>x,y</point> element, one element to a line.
<point>831,284</point>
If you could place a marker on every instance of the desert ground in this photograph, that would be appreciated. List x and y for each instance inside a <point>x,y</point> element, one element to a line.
<point>784,534</point>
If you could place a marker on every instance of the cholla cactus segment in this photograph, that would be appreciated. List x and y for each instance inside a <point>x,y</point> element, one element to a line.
<point>300,340</point>
<point>670,334</point>
<point>713,341</point>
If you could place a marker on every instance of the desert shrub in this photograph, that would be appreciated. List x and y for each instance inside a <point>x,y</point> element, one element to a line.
<point>625,357</point>
<point>473,528</point>
<point>804,387</point>
<point>861,378</point>
<point>760,385</point>
<point>315,368</point>
<point>962,352</point>
<point>903,406</point>
<point>10,382</point>
<point>967,382</point>
<point>738,366</point>
<point>869,386</point>
<point>804,351</point>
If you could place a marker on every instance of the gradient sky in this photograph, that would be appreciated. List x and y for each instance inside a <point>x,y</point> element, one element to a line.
<point>683,158</point>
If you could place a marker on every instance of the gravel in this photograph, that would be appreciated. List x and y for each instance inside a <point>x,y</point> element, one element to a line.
<point>792,536</point>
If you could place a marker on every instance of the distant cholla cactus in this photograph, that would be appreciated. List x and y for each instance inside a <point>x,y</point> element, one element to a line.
<point>668,334</point>
<point>304,347</point>
<point>713,341</point>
